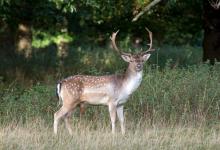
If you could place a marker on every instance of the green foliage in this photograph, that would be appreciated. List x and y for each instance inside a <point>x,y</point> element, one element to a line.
<point>37,101</point>
<point>43,39</point>
<point>87,59</point>
<point>176,22</point>
<point>177,56</point>
<point>65,6</point>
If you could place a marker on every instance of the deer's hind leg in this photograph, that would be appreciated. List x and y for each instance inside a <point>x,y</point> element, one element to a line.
<point>67,119</point>
<point>66,114</point>
<point>57,116</point>
<point>82,109</point>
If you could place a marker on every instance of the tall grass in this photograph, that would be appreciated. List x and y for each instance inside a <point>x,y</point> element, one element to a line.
<point>173,96</point>
<point>178,95</point>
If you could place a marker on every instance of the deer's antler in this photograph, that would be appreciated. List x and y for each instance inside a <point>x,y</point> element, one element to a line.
<point>151,41</point>
<point>113,37</point>
<point>215,4</point>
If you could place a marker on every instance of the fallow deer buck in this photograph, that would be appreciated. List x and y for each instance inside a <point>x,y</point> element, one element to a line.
<point>110,90</point>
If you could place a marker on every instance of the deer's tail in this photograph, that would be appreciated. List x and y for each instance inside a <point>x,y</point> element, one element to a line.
<point>58,89</point>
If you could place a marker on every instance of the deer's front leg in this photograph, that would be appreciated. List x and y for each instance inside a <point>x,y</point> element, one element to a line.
<point>112,112</point>
<point>120,115</point>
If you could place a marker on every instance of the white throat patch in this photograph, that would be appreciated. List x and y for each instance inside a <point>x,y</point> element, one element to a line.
<point>129,87</point>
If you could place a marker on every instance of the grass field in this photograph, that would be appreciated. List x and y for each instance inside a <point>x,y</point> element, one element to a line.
<point>172,109</point>
<point>38,135</point>
<point>177,106</point>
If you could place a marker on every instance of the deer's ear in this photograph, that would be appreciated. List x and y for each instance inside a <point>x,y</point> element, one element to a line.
<point>126,58</point>
<point>146,56</point>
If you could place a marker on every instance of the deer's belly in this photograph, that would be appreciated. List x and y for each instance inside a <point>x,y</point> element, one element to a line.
<point>96,96</point>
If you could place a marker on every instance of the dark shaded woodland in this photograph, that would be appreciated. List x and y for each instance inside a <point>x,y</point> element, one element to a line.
<point>211,43</point>
<point>43,37</point>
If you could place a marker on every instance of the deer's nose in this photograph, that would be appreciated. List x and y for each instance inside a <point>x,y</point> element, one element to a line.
<point>138,65</point>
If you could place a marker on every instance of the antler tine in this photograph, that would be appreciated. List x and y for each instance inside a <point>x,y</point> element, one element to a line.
<point>151,41</point>
<point>215,4</point>
<point>113,37</point>
<point>114,34</point>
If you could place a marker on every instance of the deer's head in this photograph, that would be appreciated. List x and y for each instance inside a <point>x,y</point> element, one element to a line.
<point>136,61</point>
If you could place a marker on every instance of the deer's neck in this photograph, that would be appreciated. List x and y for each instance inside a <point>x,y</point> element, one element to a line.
<point>131,82</point>
<point>132,79</point>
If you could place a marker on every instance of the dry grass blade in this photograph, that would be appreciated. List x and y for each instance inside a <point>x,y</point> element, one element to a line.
<point>37,135</point>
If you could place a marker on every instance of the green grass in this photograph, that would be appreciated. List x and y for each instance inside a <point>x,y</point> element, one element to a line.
<point>171,95</point>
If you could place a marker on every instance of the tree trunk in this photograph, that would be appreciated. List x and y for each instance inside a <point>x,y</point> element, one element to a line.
<point>7,43</point>
<point>24,39</point>
<point>211,25</point>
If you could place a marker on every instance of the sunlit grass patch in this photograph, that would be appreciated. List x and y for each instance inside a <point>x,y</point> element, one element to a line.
<point>38,135</point>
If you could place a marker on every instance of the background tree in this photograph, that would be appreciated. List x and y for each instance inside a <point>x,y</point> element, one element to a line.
<point>211,25</point>
<point>35,35</point>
